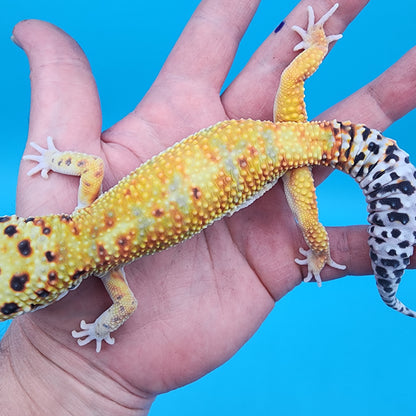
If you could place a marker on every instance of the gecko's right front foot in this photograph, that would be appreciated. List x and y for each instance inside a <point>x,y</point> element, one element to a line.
<point>314,31</point>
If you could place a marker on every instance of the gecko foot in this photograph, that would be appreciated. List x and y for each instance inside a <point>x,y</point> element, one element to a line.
<point>308,34</point>
<point>90,334</point>
<point>43,165</point>
<point>315,264</point>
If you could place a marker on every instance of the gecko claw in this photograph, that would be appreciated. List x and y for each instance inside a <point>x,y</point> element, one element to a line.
<point>315,264</point>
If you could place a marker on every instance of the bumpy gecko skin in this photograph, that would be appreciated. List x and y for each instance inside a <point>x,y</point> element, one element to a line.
<point>212,173</point>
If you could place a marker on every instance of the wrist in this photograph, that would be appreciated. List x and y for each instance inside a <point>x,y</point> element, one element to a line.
<point>40,376</point>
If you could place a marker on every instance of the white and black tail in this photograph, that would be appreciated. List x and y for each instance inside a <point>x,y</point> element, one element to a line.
<point>388,181</point>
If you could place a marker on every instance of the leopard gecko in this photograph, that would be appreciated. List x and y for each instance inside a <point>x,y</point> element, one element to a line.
<point>210,174</point>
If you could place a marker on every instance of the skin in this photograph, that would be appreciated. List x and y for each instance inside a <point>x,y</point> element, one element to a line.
<point>198,302</point>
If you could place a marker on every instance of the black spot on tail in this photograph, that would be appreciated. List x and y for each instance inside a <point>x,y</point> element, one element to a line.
<point>390,263</point>
<point>394,203</point>
<point>398,216</point>
<point>381,271</point>
<point>366,133</point>
<point>385,284</point>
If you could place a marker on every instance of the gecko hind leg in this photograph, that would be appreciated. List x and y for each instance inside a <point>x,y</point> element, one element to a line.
<point>301,196</point>
<point>290,105</point>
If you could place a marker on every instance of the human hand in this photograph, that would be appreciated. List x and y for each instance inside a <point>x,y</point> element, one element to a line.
<point>201,300</point>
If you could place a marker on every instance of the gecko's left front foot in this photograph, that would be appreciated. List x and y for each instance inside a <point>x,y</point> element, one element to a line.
<point>44,159</point>
<point>315,264</point>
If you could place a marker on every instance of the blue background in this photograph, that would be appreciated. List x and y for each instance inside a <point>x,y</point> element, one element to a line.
<point>335,350</point>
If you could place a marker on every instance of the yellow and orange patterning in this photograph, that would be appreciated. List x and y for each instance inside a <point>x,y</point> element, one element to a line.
<point>168,199</point>
<point>197,181</point>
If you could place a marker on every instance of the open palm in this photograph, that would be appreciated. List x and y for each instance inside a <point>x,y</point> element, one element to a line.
<point>200,301</point>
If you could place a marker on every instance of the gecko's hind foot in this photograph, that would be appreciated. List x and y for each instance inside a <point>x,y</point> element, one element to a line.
<point>315,264</point>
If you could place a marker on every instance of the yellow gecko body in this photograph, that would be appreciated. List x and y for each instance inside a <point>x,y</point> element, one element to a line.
<point>166,200</point>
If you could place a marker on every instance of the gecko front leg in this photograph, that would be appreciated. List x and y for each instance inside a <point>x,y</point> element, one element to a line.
<point>91,171</point>
<point>89,168</point>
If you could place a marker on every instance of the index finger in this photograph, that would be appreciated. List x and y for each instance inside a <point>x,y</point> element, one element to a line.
<point>252,93</point>
<point>214,32</point>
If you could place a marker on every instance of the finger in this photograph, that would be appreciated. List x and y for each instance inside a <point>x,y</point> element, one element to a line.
<point>64,98</point>
<point>349,245</point>
<point>195,69</point>
<point>382,101</point>
<point>378,104</point>
<point>247,97</point>
<point>64,105</point>
<point>213,32</point>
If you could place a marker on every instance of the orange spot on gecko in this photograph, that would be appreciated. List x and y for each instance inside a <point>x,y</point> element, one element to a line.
<point>46,230</point>
<point>49,256</point>
<point>196,193</point>
<point>39,221</point>
<point>242,161</point>
<point>253,151</point>
<point>109,222</point>
<point>122,241</point>
<point>52,277</point>
<point>102,254</point>
<point>99,173</point>
<point>158,212</point>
